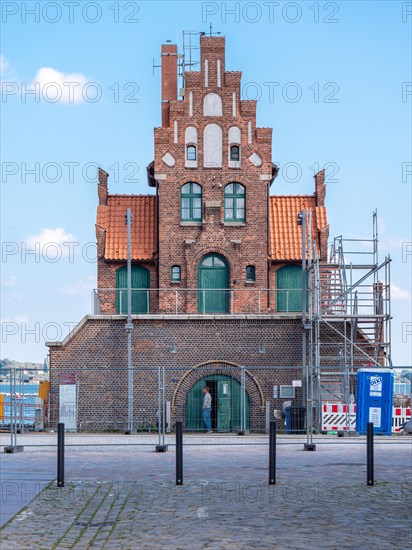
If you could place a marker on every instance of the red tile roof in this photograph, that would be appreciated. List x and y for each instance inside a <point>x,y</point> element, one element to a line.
<point>112,219</point>
<point>285,233</point>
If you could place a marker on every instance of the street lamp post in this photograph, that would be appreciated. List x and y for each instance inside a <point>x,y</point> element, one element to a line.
<point>129,325</point>
<point>309,445</point>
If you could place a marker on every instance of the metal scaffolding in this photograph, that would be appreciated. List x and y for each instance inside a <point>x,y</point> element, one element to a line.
<point>348,320</point>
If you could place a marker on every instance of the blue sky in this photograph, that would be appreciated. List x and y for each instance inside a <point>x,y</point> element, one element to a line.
<point>346,62</point>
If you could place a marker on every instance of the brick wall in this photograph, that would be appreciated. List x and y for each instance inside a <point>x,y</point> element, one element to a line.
<point>97,353</point>
<point>185,244</point>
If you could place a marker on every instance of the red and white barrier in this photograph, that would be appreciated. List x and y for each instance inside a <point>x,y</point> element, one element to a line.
<point>334,417</point>
<point>399,416</point>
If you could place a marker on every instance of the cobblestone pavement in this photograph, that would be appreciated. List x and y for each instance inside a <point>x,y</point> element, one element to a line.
<point>125,498</point>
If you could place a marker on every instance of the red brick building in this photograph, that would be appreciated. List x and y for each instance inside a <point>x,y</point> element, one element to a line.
<point>216,260</point>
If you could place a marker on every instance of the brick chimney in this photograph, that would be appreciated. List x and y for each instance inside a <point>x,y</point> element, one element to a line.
<point>169,80</point>
<point>102,187</point>
<point>320,188</point>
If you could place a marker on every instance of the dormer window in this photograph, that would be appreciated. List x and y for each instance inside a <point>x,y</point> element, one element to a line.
<point>235,153</point>
<point>191,153</point>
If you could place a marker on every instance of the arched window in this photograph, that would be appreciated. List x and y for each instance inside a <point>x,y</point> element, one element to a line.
<point>191,147</point>
<point>235,209</point>
<point>176,274</point>
<point>191,202</point>
<point>235,139</point>
<point>191,153</point>
<point>235,153</point>
<point>250,273</point>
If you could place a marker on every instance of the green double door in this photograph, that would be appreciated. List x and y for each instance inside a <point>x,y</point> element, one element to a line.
<point>140,297</point>
<point>226,404</point>
<point>213,285</point>
<point>289,288</point>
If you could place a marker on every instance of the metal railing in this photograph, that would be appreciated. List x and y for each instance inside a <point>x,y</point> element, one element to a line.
<point>183,301</point>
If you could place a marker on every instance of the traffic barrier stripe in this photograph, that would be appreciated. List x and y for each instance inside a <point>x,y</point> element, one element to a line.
<point>334,417</point>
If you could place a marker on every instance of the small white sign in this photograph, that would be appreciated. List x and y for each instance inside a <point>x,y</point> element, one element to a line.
<point>68,406</point>
<point>275,392</point>
<point>297,383</point>
<point>375,416</point>
<point>225,389</point>
<point>375,388</point>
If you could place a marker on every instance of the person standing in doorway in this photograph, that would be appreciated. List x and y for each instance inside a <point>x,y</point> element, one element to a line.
<point>207,409</point>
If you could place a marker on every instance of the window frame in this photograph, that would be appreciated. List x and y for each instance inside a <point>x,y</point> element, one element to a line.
<point>235,196</point>
<point>282,387</point>
<point>173,278</point>
<point>253,270</point>
<point>192,196</point>
<point>191,146</point>
<point>233,146</point>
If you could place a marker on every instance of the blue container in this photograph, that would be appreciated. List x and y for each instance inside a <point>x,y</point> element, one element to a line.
<point>295,419</point>
<point>374,400</point>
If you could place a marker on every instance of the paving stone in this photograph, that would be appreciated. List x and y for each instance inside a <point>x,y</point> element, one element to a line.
<point>125,498</point>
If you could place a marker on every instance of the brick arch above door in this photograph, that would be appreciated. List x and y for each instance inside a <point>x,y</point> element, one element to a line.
<point>228,368</point>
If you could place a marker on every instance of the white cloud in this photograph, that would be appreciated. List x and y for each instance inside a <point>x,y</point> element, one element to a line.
<point>47,236</point>
<point>10,281</point>
<point>4,64</point>
<point>56,86</point>
<point>82,287</point>
<point>398,293</point>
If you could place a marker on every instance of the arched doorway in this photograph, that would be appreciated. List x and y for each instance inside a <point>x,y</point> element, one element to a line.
<point>226,404</point>
<point>213,282</point>
<point>140,298</point>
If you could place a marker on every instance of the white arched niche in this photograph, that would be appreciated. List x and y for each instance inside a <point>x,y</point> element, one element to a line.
<point>212,143</point>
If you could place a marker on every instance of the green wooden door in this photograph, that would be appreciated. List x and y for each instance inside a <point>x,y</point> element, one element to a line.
<point>194,401</point>
<point>213,282</point>
<point>289,288</point>
<point>236,405</point>
<point>223,405</point>
<point>140,298</point>
<point>226,404</point>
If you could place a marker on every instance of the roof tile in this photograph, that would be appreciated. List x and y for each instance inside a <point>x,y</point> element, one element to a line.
<point>112,219</point>
<point>285,233</point>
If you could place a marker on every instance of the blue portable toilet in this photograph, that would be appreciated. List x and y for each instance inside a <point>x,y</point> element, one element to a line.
<point>374,400</point>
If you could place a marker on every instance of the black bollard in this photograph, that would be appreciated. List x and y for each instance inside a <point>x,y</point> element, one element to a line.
<point>179,453</point>
<point>369,454</point>
<point>60,454</point>
<point>272,453</point>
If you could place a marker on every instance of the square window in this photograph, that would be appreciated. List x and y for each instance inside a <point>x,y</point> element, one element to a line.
<point>287,392</point>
